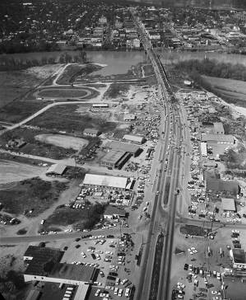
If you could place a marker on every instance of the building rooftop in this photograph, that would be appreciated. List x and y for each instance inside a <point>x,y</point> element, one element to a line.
<point>90,131</point>
<point>112,156</point>
<point>43,259</point>
<point>112,210</point>
<point>219,138</point>
<point>131,148</point>
<point>228,204</point>
<point>133,138</point>
<point>51,291</point>
<point>57,169</point>
<point>104,180</point>
<point>72,272</point>
<point>239,256</point>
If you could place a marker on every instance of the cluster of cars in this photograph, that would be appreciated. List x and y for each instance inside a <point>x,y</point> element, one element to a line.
<point>192,250</point>
<point>235,239</point>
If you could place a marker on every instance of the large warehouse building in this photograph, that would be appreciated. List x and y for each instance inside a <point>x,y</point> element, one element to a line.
<point>115,159</point>
<point>113,182</point>
<point>131,148</point>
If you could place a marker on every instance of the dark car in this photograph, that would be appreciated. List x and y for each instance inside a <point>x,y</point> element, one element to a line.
<point>186,266</point>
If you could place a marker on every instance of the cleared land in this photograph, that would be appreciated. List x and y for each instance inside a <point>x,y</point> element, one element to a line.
<point>30,194</point>
<point>233,90</point>
<point>62,93</point>
<point>13,171</point>
<point>70,120</point>
<point>116,90</point>
<point>33,146</point>
<point>64,141</point>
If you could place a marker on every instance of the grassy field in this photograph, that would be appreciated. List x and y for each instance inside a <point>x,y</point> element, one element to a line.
<point>31,194</point>
<point>12,171</point>
<point>17,111</point>
<point>74,70</point>
<point>117,90</point>
<point>62,93</point>
<point>79,218</point>
<point>66,118</point>
<point>233,90</point>
<point>15,84</point>
<point>35,147</point>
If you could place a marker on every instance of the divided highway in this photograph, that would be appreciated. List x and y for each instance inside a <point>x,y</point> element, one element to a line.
<point>167,192</point>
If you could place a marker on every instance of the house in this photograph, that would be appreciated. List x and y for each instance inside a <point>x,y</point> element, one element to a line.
<point>91,132</point>
<point>112,212</point>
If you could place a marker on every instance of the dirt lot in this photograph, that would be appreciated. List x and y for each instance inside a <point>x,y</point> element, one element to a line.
<point>34,193</point>
<point>11,171</point>
<point>64,141</point>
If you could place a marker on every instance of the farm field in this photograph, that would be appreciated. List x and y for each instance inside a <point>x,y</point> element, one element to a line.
<point>11,171</point>
<point>64,141</point>
<point>233,90</point>
<point>70,120</point>
<point>30,194</point>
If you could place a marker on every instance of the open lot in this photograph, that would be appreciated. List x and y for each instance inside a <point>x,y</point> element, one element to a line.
<point>15,84</point>
<point>64,141</point>
<point>34,193</point>
<point>11,171</point>
<point>234,90</point>
<point>70,119</point>
<point>34,147</point>
<point>19,110</point>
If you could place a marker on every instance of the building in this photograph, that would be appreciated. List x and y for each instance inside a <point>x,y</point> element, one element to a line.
<point>227,139</point>
<point>218,128</point>
<point>56,169</point>
<point>91,132</point>
<point>131,148</point>
<point>238,258</point>
<point>113,182</point>
<point>129,117</point>
<point>134,138</point>
<point>228,204</point>
<point>99,105</point>
<point>112,212</point>
<point>43,264</point>
<point>216,185</point>
<point>204,152</point>
<point>115,159</point>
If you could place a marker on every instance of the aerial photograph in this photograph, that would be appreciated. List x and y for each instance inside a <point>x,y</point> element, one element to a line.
<point>123,149</point>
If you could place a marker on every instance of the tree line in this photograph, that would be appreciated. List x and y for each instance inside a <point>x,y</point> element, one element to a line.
<point>10,63</point>
<point>212,68</point>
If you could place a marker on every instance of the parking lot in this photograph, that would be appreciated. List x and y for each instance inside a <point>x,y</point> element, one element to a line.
<point>113,256</point>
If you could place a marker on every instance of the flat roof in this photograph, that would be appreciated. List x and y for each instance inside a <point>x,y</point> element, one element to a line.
<point>219,138</point>
<point>57,169</point>
<point>73,272</point>
<point>228,204</point>
<point>81,292</point>
<point>104,180</point>
<point>41,256</point>
<point>90,130</point>
<point>51,291</point>
<point>239,256</point>
<point>112,156</point>
<point>134,138</point>
<point>131,148</point>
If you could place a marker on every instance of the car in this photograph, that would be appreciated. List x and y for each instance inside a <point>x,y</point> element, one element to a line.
<point>116,291</point>
<point>186,266</point>
<point>120,292</point>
